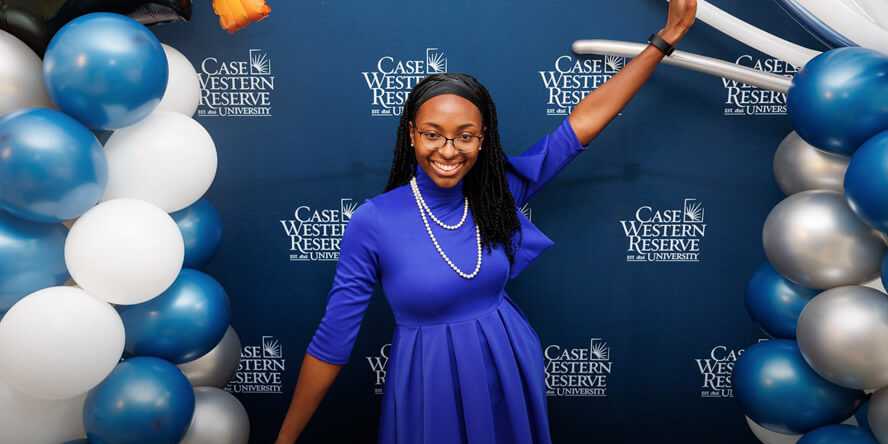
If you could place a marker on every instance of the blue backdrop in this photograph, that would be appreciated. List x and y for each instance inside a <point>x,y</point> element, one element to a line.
<point>640,344</point>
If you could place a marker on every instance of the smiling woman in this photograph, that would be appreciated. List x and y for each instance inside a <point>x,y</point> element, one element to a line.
<point>465,365</point>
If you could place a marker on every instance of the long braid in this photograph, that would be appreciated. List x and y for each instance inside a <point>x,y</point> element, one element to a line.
<point>486,187</point>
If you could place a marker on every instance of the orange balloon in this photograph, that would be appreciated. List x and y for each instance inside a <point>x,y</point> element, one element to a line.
<point>237,14</point>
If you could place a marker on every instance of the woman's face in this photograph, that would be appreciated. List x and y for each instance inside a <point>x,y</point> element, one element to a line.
<point>450,116</point>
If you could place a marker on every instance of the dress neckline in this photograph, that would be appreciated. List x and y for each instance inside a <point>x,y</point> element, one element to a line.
<point>436,196</point>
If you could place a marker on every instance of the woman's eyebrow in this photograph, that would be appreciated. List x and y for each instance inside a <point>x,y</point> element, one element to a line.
<point>465,125</point>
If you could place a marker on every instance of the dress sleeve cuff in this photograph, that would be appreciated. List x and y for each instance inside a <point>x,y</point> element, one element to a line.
<point>531,243</point>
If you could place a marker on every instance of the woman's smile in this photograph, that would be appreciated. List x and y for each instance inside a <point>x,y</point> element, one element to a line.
<point>446,169</point>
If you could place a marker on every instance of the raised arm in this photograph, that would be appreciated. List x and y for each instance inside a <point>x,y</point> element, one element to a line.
<point>536,166</point>
<point>333,340</point>
<point>597,109</point>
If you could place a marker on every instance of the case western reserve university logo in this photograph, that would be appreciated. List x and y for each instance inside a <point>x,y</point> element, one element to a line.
<point>236,88</point>
<point>748,100</point>
<point>581,371</point>
<point>716,370</point>
<point>394,78</point>
<point>572,79</point>
<point>665,235</point>
<point>261,368</point>
<point>378,366</point>
<point>314,235</point>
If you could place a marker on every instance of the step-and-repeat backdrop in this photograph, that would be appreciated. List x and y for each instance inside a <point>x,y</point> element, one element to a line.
<point>639,345</point>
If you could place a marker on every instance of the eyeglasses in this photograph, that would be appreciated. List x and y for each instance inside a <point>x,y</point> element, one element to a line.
<point>464,143</point>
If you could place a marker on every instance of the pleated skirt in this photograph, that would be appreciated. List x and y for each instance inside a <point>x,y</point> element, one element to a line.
<point>475,381</point>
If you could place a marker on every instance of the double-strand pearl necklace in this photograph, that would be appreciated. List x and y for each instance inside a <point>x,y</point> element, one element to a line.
<point>438,221</point>
<point>420,203</point>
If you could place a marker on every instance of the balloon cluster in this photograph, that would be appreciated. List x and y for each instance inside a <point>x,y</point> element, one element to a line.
<point>138,345</point>
<point>35,21</point>
<point>820,296</point>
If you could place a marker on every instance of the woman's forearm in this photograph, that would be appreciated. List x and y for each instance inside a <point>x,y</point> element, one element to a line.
<point>597,109</point>
<point>315,379</point>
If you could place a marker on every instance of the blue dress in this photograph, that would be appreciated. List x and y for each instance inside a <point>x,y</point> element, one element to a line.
<point>465,365</point>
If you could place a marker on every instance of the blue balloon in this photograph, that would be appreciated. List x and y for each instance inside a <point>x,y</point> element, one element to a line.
<point>144,400</point>
<point>839,434</point>
<point>866,180</point>
<point>32,257</point>
<point>778,390</point>
<point>106,70</point>
<point>837,101</point>
<point>181,324</point>
<point>201,227</point>
<point>51,168</point>
<point>861,415</point>
<point>775,302</point>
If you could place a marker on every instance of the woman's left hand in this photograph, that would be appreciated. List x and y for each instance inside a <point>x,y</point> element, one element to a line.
<point>680,19</point>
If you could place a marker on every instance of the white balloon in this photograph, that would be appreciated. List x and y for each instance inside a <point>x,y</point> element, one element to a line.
<point>39,421</point>
<point>167,159</point>
<point>754,37</point>
<point>875,10</point>
<point>182,94</point>
<point>59,342</point>
<point>768,437</point>
<point>219,418</point>
<point>124,251</point>
<point>848,21</point>
<point>21,77</point>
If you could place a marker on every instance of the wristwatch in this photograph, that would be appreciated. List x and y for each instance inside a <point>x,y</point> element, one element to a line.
<point>661,44</point>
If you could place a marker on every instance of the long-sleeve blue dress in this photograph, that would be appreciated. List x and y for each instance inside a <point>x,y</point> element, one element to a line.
<point>465,365</point>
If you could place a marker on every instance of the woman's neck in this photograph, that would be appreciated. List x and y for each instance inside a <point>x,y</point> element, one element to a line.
<point>432,193</point>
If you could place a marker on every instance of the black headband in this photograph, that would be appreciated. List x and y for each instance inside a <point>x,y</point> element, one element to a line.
<point>449,85</point>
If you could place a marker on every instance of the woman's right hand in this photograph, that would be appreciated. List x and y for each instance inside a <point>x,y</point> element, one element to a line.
<point>315,378</point>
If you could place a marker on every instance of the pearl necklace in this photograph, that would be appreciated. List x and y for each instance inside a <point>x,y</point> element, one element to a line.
<point>420,205</point>
<point>438,221</point>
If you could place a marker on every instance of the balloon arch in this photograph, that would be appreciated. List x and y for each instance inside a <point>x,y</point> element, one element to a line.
<point>124,280</point>
<point>820,297</point>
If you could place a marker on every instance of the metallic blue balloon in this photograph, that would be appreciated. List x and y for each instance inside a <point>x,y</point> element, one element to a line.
<point>143,401</point>
<point>866,180</point>
<point>778,390</point>
<point>839,434</point>
<point>32,257</point>
<point>182,324</point>
<point>201,227</point>
<point>837,101</point>
<point>106,70</point>
<point>775,302</point>
<point>51,167</point>
<point>861,415</point>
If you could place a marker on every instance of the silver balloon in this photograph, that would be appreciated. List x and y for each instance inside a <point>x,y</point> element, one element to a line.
<point>768,437</point>
<point>21,76</point>
<point>814,239</point>
<point>215,368</point>
<point>219,418</point>
<point>799,166</point>
<point>843,334</point>
<point>878,415</point>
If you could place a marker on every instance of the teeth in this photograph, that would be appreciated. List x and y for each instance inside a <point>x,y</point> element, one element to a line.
<point>446,167</point>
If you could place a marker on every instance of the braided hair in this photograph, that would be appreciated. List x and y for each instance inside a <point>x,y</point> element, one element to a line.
<point>491,201</point>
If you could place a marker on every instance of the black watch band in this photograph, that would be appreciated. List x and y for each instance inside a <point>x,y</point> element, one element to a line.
<point>661,44</point>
